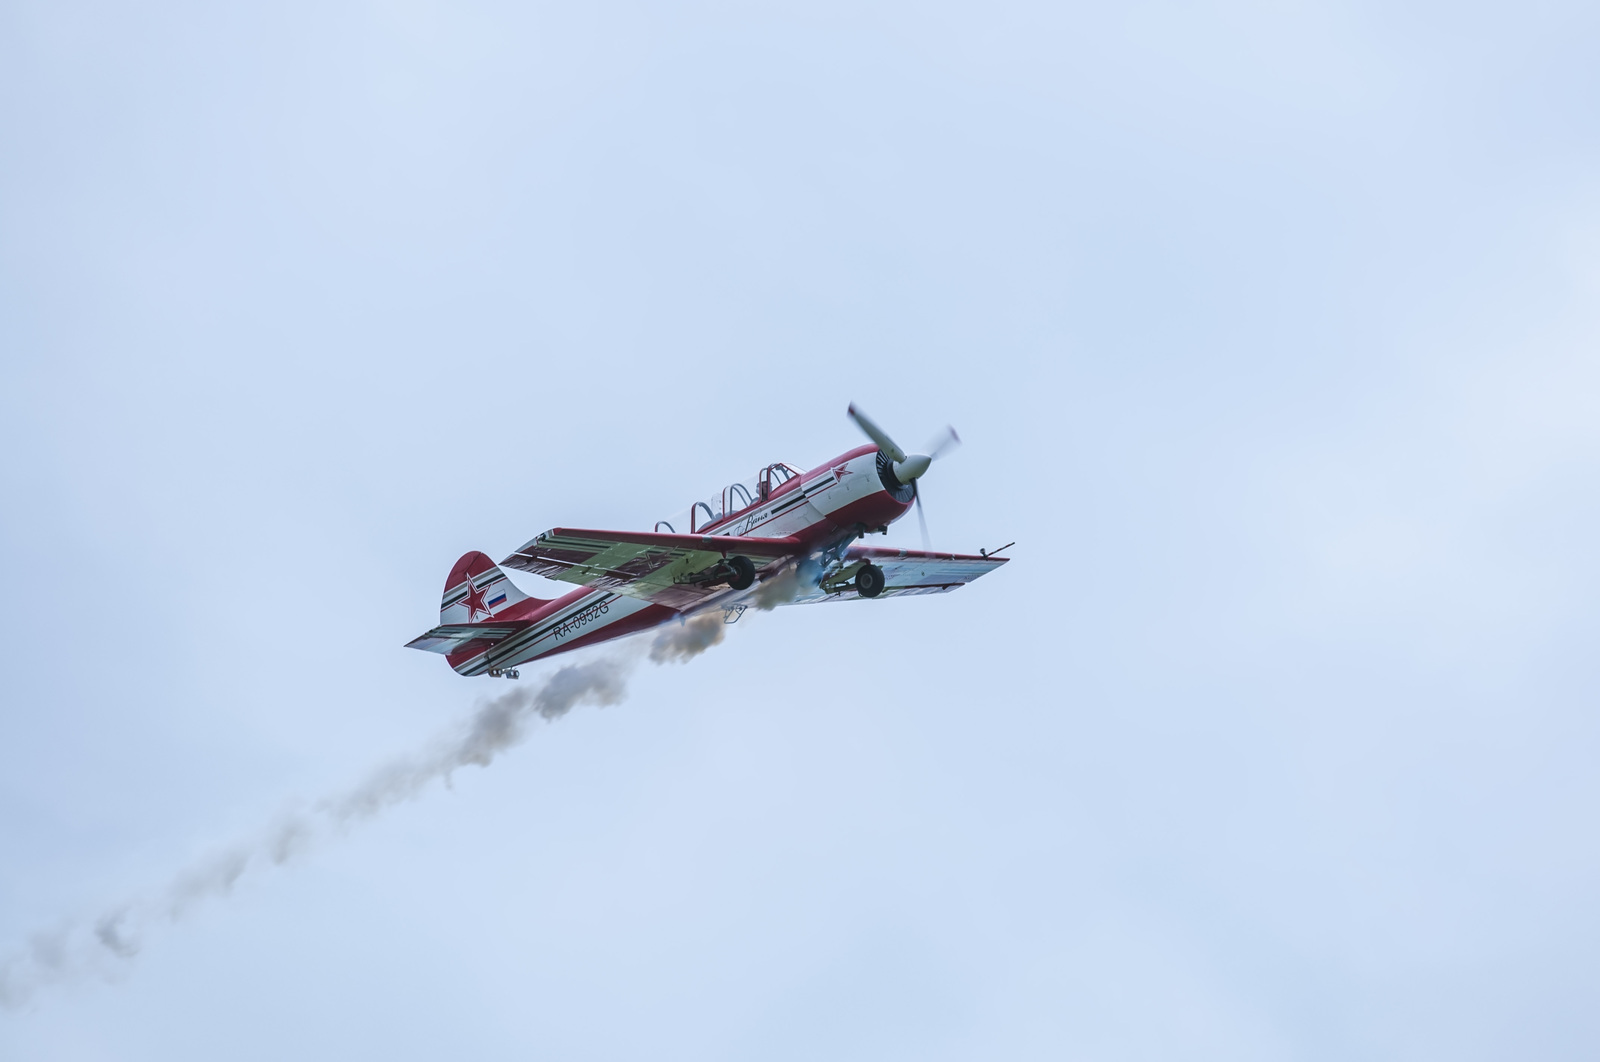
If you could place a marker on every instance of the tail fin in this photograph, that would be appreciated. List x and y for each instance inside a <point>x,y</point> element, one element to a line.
<point>476,591</point>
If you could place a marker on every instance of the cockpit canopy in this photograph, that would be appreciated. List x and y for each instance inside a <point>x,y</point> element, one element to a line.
<point>731,501</point>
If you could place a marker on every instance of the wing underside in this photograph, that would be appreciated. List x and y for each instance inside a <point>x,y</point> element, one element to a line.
<point>669,569</point>
<point>664,569</point>
<point>906,572</point>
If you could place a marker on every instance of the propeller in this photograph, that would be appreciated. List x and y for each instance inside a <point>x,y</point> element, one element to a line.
<point>922,522</point>
<point>908,468</point>
<point>943,444</point>
<point>879,436</point>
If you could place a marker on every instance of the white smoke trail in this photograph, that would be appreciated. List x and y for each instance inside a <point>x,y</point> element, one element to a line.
<point>784,586</point>
<point>499,724</point>
<point>96,947</point>
<point>688,638</point>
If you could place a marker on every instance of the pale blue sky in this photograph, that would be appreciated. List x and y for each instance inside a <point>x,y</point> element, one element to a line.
<point>1271,331</point>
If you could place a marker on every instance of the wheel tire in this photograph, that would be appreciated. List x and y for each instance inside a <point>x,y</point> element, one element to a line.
<point>869,580</point>
<point>744,573</point>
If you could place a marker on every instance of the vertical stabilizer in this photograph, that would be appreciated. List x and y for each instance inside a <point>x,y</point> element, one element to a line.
<point>476,591</point>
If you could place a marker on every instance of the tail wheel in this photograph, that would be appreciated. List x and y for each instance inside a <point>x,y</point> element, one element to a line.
<point>743,572</point>
<point>869,580</point>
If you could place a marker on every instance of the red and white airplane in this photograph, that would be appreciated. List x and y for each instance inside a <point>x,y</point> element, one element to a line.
<point>785,538</point>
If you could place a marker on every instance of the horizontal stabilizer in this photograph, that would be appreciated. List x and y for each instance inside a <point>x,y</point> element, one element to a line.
<point>448,637</point>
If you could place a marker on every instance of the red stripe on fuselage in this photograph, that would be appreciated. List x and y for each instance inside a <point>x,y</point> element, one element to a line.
<point>464,656</point>
<point>878,509</point>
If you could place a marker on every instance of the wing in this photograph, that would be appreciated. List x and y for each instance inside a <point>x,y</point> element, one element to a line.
<point>452,636</point>
<point>906,573</point>
<point>663,569</point>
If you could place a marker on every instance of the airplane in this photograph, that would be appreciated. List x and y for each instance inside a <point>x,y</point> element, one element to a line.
<point>785,537</point>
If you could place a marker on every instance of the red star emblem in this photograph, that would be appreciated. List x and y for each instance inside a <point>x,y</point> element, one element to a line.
<point>839,472</point>
<point>474,601</point>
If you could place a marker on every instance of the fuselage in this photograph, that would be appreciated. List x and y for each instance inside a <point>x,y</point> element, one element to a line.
<point>854,494</point>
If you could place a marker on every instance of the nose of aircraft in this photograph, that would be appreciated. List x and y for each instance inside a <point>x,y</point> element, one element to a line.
<point>912,467</point>
<point>908,468</point>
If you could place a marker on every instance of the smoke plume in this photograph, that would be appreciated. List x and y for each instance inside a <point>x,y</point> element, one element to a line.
<point>688,638</point>
<point>98,946</point>
<point>784,586</point>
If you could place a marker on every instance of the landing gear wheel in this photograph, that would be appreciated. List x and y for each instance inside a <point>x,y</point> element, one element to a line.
<point>869,580</point>
<point>744,572</point>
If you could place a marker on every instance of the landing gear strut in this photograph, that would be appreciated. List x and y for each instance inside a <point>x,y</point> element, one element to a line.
<point>738,572</point>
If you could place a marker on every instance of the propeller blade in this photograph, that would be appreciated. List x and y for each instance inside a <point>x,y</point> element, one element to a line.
<point>943,444</point>
<point>886,445</point>
<point>927,546</point>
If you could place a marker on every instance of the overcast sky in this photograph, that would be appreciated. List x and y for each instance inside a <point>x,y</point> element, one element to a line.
<point>1273,334</point>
